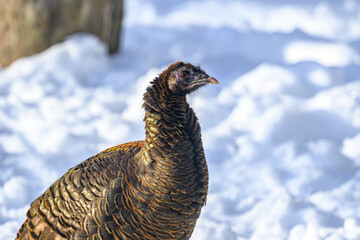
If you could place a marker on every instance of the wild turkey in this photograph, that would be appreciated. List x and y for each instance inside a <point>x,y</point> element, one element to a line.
<point>151,189</point>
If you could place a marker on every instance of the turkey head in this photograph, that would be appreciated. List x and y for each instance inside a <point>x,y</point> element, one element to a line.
<point>186,78</point>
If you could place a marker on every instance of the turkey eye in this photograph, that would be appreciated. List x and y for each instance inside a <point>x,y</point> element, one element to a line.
<point>184,75</point>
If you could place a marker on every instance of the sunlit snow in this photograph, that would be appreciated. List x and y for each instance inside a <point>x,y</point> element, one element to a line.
<point>281,133</point>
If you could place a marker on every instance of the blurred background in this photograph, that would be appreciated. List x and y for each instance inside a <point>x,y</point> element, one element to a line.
<point>281,132</point>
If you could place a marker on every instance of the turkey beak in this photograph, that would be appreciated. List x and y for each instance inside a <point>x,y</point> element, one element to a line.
<point>203,80</point>
<point>212,80</point>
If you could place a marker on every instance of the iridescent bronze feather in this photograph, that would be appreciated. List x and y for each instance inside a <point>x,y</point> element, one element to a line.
<point>151,189</point>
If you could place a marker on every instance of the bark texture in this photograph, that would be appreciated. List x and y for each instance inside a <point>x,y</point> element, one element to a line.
<point>30,26</point>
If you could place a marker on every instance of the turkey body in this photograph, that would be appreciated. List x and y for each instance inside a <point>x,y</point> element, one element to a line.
<point>151,189</point>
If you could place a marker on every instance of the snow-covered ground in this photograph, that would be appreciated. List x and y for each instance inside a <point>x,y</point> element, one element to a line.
<point>281,133</point>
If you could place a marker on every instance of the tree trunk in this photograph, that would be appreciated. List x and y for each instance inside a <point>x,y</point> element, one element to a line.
<point>30,26</point>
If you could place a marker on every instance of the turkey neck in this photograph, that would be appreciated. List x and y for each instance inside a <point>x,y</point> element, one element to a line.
<point>168,146</point>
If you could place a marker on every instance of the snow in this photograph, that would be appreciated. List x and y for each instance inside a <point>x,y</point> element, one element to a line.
<point>281,132</point>
<point>330,54</point>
